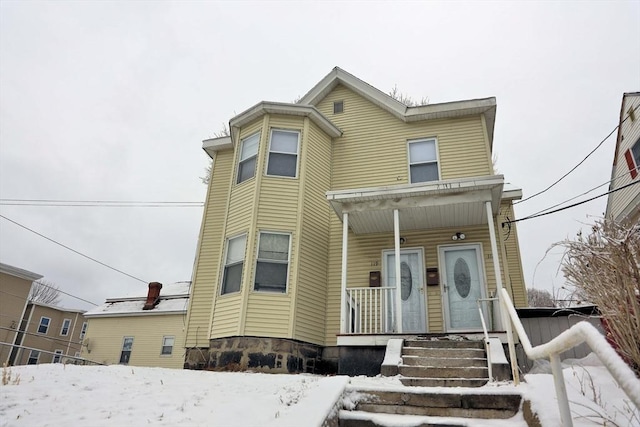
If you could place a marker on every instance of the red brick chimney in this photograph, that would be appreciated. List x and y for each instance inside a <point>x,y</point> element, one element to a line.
<point>153,297</point>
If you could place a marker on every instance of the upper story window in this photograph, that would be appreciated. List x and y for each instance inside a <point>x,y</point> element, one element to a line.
<point>423,160</point>
<point>248,155</point>
<point>66,324</point>
<point>272,265</point>
<point>283,153</point>
<point>338,107</point>
<point>234,261</point>
<point>43,327</point>
<point>632,156</point>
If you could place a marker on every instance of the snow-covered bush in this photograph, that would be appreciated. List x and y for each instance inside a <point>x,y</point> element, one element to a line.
<point>604,268</point>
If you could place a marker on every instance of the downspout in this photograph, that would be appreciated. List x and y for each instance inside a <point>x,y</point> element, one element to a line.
<point>75,322</point>
<point>396,238</point>
<point>343,279</point>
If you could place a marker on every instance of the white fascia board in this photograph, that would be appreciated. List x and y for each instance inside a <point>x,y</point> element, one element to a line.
<point>410,189</point>
<point>135,313</point>
<point>19,272</point>
<point>216,144</point>
<point>287,109</point>
<point>60,309</point>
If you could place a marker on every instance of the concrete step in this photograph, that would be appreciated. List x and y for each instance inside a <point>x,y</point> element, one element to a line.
<point>462,405</point>
<point>435,372</point>
<point>445,344</point>
<point>443,352</point>
<point>444,382</point>
<point>442,362</point>
<point>367,419</point>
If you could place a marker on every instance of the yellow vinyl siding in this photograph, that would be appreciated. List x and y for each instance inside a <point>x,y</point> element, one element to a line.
<point>105,336</point>
<point>226,314</point>
<point>268,315</point>
<point>311,291</point>
<point>373,149</point>
<point>14,292</point>
<point>206,276</point>
<point>514,280</point>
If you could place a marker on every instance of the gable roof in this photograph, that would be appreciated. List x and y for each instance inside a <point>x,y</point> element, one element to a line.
<point>486,106</point>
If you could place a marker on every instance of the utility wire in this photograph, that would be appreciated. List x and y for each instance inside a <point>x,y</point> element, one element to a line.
<point>73,296</point>
<point>99,203</point>
<point>570,206</point>
<point>74,251</point>
<point>576,166</point>
<point>583,194</point>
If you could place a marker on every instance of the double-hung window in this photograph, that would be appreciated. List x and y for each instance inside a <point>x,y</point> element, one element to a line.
<point>43,327</point>
<point>57,356</point>
<point>83,331</point>
<point>167,346</point>
<point>283,153</point>
<point>272,265</point>
<point>234,261</point>
<point>127,346</point>
<point>248,155</point>
<point>34,355</point>
<point>423,160</point>
<point>66,324</point>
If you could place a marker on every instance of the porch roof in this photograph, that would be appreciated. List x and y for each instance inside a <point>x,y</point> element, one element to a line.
<point>450,203</point>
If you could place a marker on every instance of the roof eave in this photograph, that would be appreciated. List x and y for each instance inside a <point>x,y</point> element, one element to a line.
<point>210,146</point>
<point>19,272</point>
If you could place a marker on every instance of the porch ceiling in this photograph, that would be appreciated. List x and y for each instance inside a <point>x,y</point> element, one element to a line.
<point>452,203</point>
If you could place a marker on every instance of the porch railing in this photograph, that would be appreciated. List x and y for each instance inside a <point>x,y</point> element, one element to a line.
<point>371,310</point>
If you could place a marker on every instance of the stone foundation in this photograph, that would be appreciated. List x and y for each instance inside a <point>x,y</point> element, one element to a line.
<point>275,355</point>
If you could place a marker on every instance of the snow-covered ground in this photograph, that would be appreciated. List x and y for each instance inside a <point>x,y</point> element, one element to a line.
<point>55,394</point>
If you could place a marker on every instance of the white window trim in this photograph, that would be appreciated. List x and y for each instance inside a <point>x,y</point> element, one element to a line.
<point>224,263</point>
<point>68,327</point>
<point>40,324</point>
<point>437,160</point>
<point>282,152</point>
<point>122,350</point>
<point>255,168</point>
<point>83,331</point>
<point>163,346</point>
<point>31,356</point>
<point>57,353</point>
<point>286,286</point>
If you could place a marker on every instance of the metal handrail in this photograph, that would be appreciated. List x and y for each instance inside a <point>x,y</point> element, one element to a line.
<point>487,343</point>
<point>574,336</point>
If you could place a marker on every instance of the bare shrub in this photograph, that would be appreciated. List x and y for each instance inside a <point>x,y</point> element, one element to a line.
<point>604,268</point>
<point>540,298</point>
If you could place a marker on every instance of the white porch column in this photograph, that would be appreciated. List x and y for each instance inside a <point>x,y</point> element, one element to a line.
<point>506,321</point>
<point>343,281</point>
<point>396,238</point>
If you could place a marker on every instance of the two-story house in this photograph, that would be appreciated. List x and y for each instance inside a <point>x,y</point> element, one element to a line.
<point>15,285</point>
<point>342,220</point>
<point>48,334</point>
<point>624,203</point>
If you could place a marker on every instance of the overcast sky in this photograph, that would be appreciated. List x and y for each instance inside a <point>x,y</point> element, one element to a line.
<point>111,100</point>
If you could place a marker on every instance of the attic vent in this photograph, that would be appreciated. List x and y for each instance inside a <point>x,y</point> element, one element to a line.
<point>338,107</point>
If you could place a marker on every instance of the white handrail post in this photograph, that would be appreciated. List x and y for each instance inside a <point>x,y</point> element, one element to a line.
<point>561,390</point>
<point>343,280</point>
<point>506,321</point>
<point>396,236</point>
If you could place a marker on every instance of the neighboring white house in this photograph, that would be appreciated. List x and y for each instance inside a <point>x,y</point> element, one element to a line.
<point>141,330</point>
<point>624,203</point>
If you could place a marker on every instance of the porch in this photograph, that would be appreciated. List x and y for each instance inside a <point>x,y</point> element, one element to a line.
<point>371,315</point>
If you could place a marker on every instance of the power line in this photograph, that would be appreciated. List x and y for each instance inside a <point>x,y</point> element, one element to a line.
<point>583,194</point>
<point>570,206</point>
<point>576,166</point>
<point>72,250</point>
<point>73,296</point>
<point>99,203</point>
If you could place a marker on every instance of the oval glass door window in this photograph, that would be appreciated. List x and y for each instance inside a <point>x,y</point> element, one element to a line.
<point>406,281</point>
<point>462,277</point>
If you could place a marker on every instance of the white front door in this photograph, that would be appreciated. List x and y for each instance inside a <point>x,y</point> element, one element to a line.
<point>412,293</point>
<point>463,284</point>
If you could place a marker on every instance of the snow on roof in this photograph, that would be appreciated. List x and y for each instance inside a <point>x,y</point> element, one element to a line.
<point>174,298</point>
